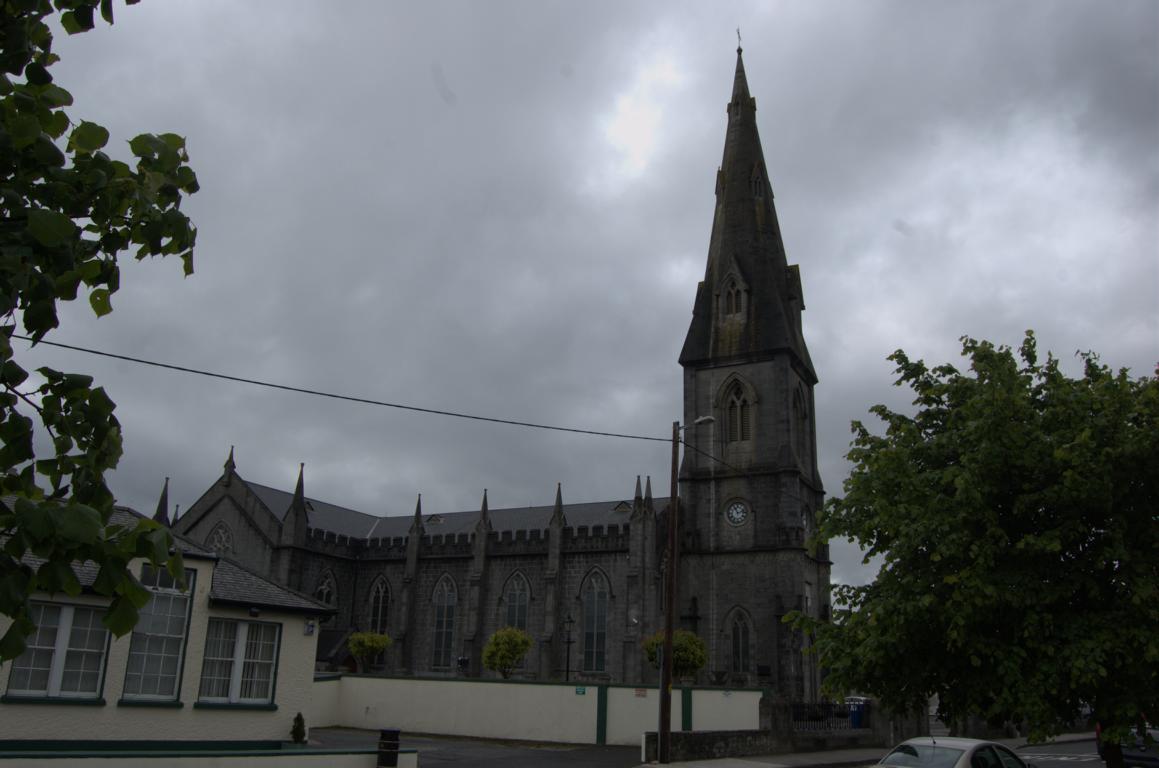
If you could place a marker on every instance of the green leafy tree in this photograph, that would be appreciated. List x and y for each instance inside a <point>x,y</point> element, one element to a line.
<point>68,210</point>
<point>365,646</point>
<point>505,650</point>
<point>688,652</point>
<point>1015,514</point>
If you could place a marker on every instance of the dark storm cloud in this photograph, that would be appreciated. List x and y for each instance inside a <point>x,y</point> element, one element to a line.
<point>504,208</point>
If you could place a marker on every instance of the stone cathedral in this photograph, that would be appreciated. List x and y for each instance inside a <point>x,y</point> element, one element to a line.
<point>586,580</point>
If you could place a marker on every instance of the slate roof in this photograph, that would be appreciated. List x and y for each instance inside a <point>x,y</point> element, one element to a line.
<point>234,585</point>
<point>360,525</point>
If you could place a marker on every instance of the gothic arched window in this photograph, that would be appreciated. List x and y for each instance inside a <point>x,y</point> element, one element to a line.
<point>516,597</point>
<point>800,425</point>
<point>327,593</point>
<point>739,425</point>
<point>595,605</point>
<point>445,599</point>
<point>379,603</point>
<point>733,299</point>
<point>739,658</point>
<point>220,539</point>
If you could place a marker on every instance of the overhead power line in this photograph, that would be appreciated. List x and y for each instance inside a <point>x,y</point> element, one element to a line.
<point>366,400</point>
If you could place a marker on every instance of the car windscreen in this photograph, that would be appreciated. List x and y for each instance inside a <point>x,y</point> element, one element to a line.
<point>922,756</point>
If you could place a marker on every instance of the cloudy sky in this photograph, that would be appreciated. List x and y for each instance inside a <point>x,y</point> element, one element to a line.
<point>503,208</point>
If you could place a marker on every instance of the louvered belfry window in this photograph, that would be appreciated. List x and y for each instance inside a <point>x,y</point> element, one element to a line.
<point>739,416</point>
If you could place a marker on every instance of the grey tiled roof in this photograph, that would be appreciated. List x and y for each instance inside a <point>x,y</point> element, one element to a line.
<point>86,572</point>
<point>235,585</point>
<point>349,522</point>
<point>232,584</point>
<point>330,517</point>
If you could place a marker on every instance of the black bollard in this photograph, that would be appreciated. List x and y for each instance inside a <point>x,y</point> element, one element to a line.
<point>388,748</point>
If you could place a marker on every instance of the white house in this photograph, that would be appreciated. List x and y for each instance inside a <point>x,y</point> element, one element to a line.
<point>230,659</point>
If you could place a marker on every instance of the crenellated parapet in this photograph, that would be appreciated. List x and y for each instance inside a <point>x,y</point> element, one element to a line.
<point>596,538</point>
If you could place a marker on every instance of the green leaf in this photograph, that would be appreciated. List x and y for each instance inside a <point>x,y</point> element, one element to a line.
<point>13,644</point>
<point>77,524</point>
<point>58,576</point>
<point>35,521</point>
<point>56,124</point>
<point>24,130</point>
<point>176,568</point>
<point>146,145</point>
<point>107,11</point>
<point>50,228</point>
<point>71,23</point>
<point>89,137</point>
<point>54,96</point>
<point>11,374</point>
<point>121,616</point>
<point>37,74</point>
<point>99,299</point>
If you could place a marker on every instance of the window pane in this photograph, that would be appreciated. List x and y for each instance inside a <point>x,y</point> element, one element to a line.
<point>86,650</point>
<point>30,670</point>
<point>217,669</point>
<point>157,641</point>
<point>258,671</point>
<point>595,603</point>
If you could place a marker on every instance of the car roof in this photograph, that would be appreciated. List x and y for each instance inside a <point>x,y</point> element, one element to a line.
<point>947,741</point>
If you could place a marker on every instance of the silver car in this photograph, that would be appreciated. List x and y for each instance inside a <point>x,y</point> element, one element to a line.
<point>951,752</point>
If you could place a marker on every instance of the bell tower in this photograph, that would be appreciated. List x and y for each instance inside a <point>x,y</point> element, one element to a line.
<point>748,401</point>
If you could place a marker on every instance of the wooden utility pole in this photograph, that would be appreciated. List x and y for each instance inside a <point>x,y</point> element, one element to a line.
<point>664,735</point>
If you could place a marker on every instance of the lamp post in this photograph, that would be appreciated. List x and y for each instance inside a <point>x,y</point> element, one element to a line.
<point>567,623</point>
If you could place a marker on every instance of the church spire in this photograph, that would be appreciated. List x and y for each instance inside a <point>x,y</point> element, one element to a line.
<point>300,489</point>
<point>750,299</point>
<point>162,513</point>
<point>416,526</point>
<point>484,523</point>
<point>557,518</point>
<point>740,83</point>
<point>229,469</point>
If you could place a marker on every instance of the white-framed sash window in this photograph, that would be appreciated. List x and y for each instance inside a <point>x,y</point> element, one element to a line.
<point>65,656</point>
<point>239,663</point>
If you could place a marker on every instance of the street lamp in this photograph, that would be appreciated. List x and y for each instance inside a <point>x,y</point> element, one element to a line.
<point>568,623</point>
<point>664,732</point>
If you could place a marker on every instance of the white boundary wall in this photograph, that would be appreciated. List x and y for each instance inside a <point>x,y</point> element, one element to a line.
<point>495,710</point>
<point>559,712</point>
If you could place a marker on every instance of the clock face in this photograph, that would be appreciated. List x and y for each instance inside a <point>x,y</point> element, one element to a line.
<point>737,512</point>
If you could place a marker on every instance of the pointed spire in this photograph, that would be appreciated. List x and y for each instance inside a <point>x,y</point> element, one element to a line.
<point>300,490</point>
<point>162,513</point>
<point>230,468</point>
<point>484,515</point>
<point>416,525</point>
<point>648,492</point>
<point>749,301</point>
<point>740,83</point>
<point>638,497</point>
<point>557,517</point>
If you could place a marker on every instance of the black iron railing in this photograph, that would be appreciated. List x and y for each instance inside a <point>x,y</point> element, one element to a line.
<point>828,716</point>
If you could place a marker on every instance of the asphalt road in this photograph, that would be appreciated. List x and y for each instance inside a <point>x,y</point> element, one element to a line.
<point>451,751</point>
<point>1075,754</point>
